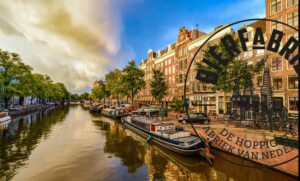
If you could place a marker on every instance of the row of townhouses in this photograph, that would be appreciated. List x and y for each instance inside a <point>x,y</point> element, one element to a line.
<point>175,59</point>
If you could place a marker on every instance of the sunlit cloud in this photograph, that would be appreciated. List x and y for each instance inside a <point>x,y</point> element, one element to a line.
<point>73,41</point>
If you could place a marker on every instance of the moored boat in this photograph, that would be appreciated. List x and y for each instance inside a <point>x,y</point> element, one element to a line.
<point>4,117</point>
<point>166,135</point>
<point>112,113</point>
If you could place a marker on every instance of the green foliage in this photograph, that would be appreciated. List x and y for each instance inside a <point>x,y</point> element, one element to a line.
<point>158,86</point>
<point>178,105</point>
<point>74,97</point>
<point>132,79</point>
<point>16,79</point>
<point>84,96</point>
<point>235,69</point>
<point>100,92</point>
<point>114,83</point>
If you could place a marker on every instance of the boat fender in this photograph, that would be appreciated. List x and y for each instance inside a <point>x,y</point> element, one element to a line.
<point>149,138</point>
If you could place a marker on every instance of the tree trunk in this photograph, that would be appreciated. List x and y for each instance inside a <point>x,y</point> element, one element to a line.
<point>131,97</point>
<point>21,101</point>
<point>6,102</point>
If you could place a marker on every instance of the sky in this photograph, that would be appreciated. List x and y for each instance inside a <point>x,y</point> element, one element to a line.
<point>78,41</point>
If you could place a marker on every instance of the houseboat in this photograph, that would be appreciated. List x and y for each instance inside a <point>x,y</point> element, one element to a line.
<point>166,135</point>
<point>112,113</point>
<point>4,117</point>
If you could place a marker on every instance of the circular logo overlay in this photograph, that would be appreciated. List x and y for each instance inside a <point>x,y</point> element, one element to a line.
<point>252,77</point>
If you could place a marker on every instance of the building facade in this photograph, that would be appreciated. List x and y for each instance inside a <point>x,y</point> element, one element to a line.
<point>285,80</point>
<point>175,59</point>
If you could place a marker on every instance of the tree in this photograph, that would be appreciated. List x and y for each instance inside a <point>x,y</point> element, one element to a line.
<point>234,70</point>
<point>178,105</point>
<point>14,75</point>
<point>84,95</point>
<point>38,88</point>
<point>133,79</point>
<point>113,83</point>
<point>62,89</point>
<point>100,92</point>
<point>74,97</point>
<point>158,86</point>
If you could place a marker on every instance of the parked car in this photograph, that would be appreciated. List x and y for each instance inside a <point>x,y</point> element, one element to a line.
<point>201,118</point>
<point>128,109</point>
<point>140,111</point>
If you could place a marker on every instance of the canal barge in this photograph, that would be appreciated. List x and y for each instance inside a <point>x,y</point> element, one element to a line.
<point>166,135</point>
<point>4,117</point>
<point>112,113</point>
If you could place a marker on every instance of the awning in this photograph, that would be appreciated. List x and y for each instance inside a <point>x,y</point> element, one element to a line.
<point>164,99</point>
<point>171,99</point>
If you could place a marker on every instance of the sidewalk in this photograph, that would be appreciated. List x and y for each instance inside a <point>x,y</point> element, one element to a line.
<point>252,144</point>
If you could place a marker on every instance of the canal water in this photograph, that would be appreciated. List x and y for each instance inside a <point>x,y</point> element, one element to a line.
<point>70,143</point>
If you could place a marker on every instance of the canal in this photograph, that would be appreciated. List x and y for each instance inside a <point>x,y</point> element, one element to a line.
<point>70,143</point>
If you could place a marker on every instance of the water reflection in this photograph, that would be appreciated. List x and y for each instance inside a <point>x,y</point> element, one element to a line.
<point>72,144</point>
<point>21,136</point>
<point>163,164</point>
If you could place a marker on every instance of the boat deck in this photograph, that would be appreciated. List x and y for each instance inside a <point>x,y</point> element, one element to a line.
<point>186,139</point>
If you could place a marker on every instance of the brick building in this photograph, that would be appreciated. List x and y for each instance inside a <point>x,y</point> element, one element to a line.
<point>284,78</point>
<point>175,59</point>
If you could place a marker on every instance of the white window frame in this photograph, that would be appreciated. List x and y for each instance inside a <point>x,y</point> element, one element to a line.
<point>286,18</point>
<point>271,7</point>
<point>297,1</point>
<point>281,64</point>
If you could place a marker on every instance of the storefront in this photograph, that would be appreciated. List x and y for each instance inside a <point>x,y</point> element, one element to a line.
<point>205,104</point>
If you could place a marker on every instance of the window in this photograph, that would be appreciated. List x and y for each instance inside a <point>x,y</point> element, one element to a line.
<point>166,62</point>
<point>192,87</point>
<point>295,35</point>
<point>166,71</point>
<point>170,70</point>
<point>184,63</point>
<point>276,64</point>
<point>184,50</point>
<point>259,81</point>
<point>260,51</point>
<point>169,61</point>
<point>173,60</point>
<point>293,82</point>
<point>249,53</point>
<point>275,25</point>
<point>291,3</point>
<point>179,52</point>
<point>277,83</point>
<point>180,78</point>
<point>173,67</point>
<point>180,65</point>
<point>248,35</point>
<point>289,64</point>
<point>173,79</point>
<point>275,6</point>
<point>293,103</point>
<point>292,18</point>
<point>204,87</point>
<point>170,80</point>
<point>198,87</point>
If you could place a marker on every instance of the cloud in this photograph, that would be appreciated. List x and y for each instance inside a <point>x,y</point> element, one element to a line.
<point>73,41</point>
